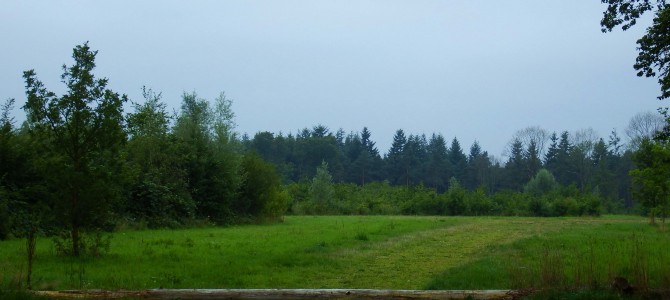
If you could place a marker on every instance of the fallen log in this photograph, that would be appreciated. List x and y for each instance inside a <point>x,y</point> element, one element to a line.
<point>284,294</point>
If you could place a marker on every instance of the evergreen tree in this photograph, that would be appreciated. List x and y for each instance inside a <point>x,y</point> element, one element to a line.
<point>478,169</point>
<point>532,160</point>
<point>562,164</point>
<point>414,154</point>
<point>437,163</point>
<point>515,168</point>
<point>395,170</point>
<point>550,158</point>
<point>365,160</point>
<point>457,160</point>
<point>322,191</point>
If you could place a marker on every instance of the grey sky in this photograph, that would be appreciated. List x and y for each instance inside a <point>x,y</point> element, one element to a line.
<point>466,69</point>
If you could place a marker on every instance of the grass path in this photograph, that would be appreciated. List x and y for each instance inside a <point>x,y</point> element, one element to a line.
<point>411,261</point>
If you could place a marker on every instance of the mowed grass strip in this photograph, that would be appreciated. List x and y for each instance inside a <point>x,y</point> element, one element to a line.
<point>303,252</point>
<point>411,261</point>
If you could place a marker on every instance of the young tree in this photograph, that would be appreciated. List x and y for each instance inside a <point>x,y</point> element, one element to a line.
<point>83,130</point>
<point>651,183</point>
<point>541,184</point>
<point>322,191</point>
<point>210,155</point>
<point>158,189</point>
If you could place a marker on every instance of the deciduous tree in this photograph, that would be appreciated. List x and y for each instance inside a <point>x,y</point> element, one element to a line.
<point>83,130</point>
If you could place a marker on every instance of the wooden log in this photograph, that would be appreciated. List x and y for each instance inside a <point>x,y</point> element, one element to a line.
<point>285,294</point>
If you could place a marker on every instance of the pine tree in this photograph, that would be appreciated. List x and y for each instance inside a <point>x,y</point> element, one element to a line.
<point>457,160</point>
<point>437,163</point>
<point>395,171</point>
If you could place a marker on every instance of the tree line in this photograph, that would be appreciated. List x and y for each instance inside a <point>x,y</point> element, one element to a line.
<point>80,164</point>
<point>581,161</point>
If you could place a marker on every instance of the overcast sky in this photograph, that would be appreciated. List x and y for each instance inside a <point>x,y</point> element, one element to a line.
<point>475,70</point>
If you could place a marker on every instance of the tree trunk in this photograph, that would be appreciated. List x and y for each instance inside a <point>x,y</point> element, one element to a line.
<point>75,239</point>
<point>30,247</point>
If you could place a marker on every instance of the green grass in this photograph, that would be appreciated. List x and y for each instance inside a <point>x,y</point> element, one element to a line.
<point>380,252</point>
<point>587,256</point>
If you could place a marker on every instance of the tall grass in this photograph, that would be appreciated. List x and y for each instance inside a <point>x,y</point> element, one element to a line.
<point>583,257</point>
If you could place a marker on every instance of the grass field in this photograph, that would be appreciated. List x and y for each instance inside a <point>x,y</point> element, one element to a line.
<point>379,252</point>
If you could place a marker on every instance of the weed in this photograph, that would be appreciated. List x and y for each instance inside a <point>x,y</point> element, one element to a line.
<point>319,247</point>
<point>518,273</point>
<point>639,263</point>
<point>362,237</point>
<point>75,272</point>
<point>169,280</point>
<point>166,243</point>
<point>30,249</point>
<point>551,268</point>
<point>92,244</point>
<point>214,245</point>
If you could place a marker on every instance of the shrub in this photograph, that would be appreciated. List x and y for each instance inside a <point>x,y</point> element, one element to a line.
<point>542,184</point>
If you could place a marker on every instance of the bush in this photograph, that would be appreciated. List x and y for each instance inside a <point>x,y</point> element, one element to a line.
<point>539,207</point>
<point>456,204</point>
<point>480,204</point>
<point>543,183</point>
<point>566,206</point>
<point>261,195</point>
<point>4,214</point>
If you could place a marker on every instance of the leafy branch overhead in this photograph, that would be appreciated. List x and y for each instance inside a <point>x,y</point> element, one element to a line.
<point>653,56</point>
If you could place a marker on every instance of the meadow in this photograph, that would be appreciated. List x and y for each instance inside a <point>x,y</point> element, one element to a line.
<point>372,252</point>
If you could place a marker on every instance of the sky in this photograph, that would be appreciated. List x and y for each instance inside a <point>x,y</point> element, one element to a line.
<point>474,70</point>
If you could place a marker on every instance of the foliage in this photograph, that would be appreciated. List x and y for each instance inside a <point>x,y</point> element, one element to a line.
<point>650,178</point>
<point>158,191</point>
<point>261,194</point>
<point>83,130</point>
<point>542,184</point>
<point>652,59</point>
<point>171,170</point>
<point>209,156</point>
<point>321,191</point>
